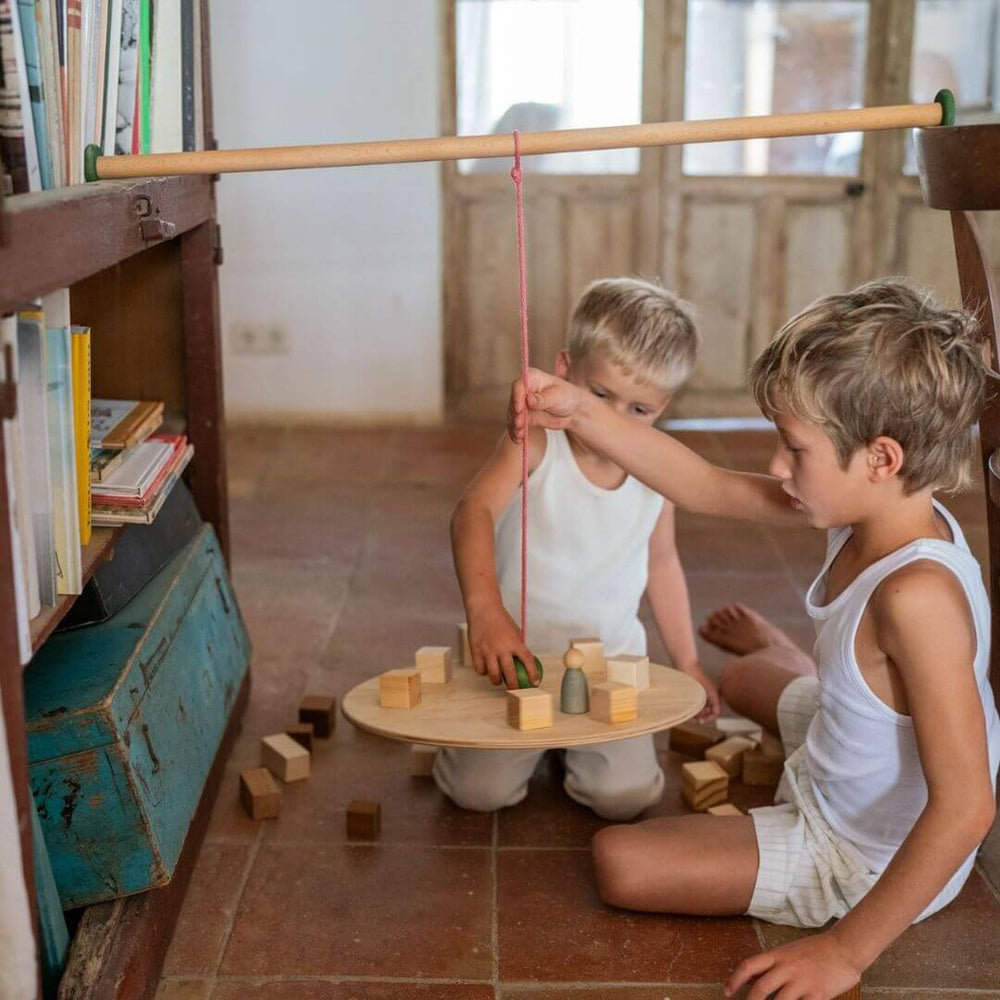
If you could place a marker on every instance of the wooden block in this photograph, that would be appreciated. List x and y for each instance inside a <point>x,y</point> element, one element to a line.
<point>614,702</point>
<point>694,738</point>
<point>854,993</point>
<point>729,754</point>
<point>364,820</point>
<point>434,664</point>
<point>771,746</point>
<point>464,649</point>
<point>284,758</point>
<point>735,725</point>
<point>593,652</point>
<point>529,708</point>
<point>260,796</point>
<point>726,809</point>
<point>399,688</point>
<point>703,784</point>
<point>422,760</point>
<point>761,767</point>
<point>302,733</point>
<point>321,711</point>
<point>632,670</point>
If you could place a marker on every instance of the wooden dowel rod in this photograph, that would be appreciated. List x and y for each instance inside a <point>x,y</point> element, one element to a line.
<point>354,154</point>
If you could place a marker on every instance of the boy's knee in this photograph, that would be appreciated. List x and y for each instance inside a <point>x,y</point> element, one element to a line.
<point>615,869</point>
<point>468,790</point>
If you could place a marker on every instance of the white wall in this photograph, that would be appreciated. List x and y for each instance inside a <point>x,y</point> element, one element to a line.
<point>347,260</point>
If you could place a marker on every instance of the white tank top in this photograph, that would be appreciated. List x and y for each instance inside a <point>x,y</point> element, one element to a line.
<point>861,754</point>
<point>588,555</point>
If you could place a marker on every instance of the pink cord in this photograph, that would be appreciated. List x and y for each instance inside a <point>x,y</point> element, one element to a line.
<point>518,185</point>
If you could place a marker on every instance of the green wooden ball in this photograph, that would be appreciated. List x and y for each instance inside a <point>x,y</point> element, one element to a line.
<point>523,681</point>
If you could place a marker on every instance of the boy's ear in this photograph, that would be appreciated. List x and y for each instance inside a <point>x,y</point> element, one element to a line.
<point>884,458</point>
<point>563,365</point>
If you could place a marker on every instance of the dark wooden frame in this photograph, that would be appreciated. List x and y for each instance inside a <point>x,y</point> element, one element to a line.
<point>52,240</point>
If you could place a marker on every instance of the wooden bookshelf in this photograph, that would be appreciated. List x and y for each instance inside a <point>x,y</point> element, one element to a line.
<point>140,258</point>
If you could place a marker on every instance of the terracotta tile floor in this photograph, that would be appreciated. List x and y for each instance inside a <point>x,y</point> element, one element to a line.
<point>342,566</point>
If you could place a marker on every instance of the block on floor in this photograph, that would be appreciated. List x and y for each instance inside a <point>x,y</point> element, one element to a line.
<point>703,784</point>
<point>761,767</point>
<point>736,725</point>
<point>632,670</point>
<point>399,688</point>
<point>694,738</point>
<point>321,711</point>
<point>464,649</point>
<point>593,655</point>
<point>364,820</point>
<point>284,758</point>
<point>729,754</point>
<point>422,760</point>
<point>726,809</point>
<point>434,664</point>
<point>614,702</point>
<point>302,733</point>
<point>529,708</point>
<point>259,794</point>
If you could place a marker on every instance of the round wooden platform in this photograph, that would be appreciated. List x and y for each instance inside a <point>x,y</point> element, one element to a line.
<point>470,712</point>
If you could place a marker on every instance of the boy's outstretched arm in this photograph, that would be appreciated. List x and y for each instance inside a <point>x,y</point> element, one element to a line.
<point>924,626</point>
<point>494,637</point>
<point>653,457</point>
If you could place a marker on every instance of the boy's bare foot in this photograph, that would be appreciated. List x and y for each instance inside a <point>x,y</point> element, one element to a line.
<point>741,630</point>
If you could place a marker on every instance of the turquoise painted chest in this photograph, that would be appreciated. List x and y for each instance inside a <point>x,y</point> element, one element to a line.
<point>124,721</point>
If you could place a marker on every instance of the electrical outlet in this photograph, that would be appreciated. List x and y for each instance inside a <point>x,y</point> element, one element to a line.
<point>260,338</point>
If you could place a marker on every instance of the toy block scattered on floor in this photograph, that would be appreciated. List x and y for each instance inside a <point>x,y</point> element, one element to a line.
<point>593,653</point>
<point>726,809</point>
<point>260,796</point>
<point>729,754</point>
<point>764,765</point>
<point>703,784</point>
<point>321,711</point>
<point>464,649</point>
<point>694,738</point>
<point>364,820</point>
<point>736,725</point>
<point>434,664</point>
<point>632,670</point>
<point>529,708</point>
<point>302,733</point>
<point>614,702</point>
<point>399,688</point>
<point>284,758</point>
<point>422,760</point>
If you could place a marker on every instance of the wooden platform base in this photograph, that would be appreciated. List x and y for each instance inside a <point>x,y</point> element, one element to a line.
<point>120,946</point>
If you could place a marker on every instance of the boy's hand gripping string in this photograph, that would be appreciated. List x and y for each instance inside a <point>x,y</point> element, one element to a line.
<point>518,186</point>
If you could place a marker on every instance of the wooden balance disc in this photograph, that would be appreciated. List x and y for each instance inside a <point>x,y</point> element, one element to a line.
<point>470,712</point>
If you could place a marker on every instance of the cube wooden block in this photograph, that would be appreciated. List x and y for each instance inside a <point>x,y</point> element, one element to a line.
<point>729,754</point>
<point>530,708</point>
<point>726,809</point>
<point>765,764</point>
<point>422,760</point>
<point>364,820</point>
<point>321,711</point>
<point>464,649</point>
<point>434,664</point>
<point>614,702</point>
<point>284,758</point>
<point>259,794</point>
<point>694,738</point>
<point>302,733</point>
<point>632,670</point>
<point>593,655</point>
<point>703,784</point>
<point>399,688</point>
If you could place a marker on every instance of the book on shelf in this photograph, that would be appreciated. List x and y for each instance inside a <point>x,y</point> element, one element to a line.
<point>26,35</point>
<point>140,471</point>
<point>103,462</point>
<point>12,147</point>
<point>145,512</point>
<point>81,424</point>
<point>127,77</point>
<point>120,423</point>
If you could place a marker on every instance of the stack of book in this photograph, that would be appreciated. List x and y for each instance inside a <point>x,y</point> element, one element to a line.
<point>122,74</point>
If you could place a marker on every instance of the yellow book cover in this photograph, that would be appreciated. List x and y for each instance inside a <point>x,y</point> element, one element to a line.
<point>81,424</point>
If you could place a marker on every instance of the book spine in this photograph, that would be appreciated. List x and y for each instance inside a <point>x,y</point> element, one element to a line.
<point>187,75</point>
<point>82,418</point>
<point>36,89</point>
<point>145,55</point>
<point>128,65</point>
<point>12,150</point>
<point>111,74</point>
<point>24,100</point>
<point>74,29</point>
<point>49,49</point>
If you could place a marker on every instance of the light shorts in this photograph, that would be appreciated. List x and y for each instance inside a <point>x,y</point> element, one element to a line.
<point>807,874</point>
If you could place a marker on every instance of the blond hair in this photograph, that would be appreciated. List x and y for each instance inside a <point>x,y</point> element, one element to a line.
<point>643,328</point>
<point>883,359</point>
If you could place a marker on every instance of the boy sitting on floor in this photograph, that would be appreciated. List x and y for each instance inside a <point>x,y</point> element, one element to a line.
<point>892,736</point>
<point>599,539</point>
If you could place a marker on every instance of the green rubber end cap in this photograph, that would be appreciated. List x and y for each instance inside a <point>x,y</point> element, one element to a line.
<point>90,155</point>
<point>947,101</point>
<point>523,681</point>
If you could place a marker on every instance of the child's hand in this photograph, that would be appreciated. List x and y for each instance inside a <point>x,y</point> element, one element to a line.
<point>495,640</point>
<point>816,967</point>
<point>541,400</point>
<point>713,706</point>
